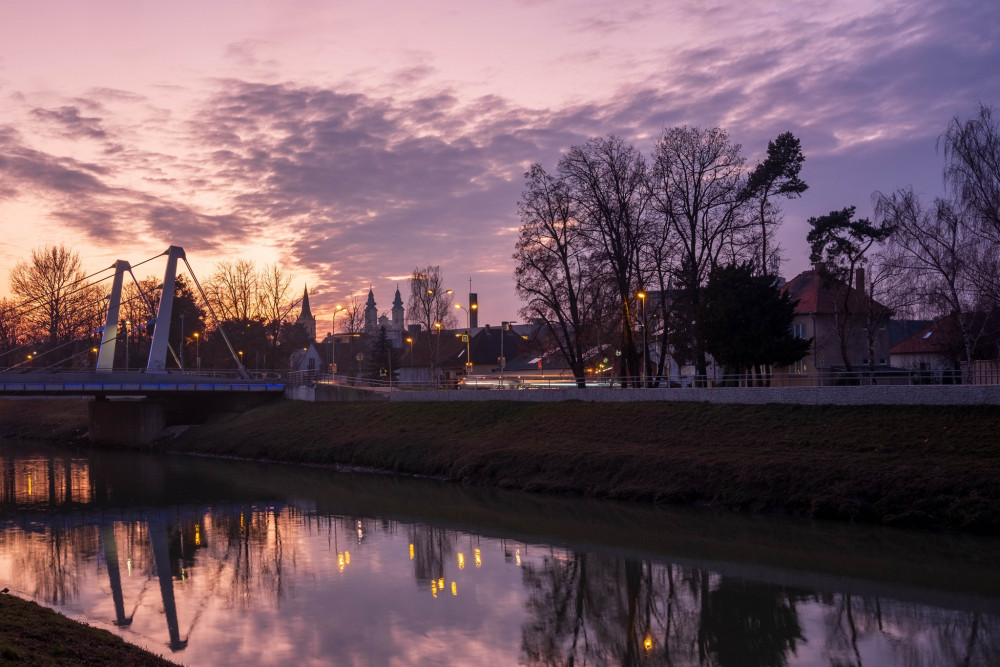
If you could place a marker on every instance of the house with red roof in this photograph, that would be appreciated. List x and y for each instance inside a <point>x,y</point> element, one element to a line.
<point>826,306</point>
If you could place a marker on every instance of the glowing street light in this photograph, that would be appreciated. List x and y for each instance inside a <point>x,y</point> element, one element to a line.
<point>468,341</point>
<point>642,297</point>
<point>333,339</point>
<point>409,340</point>
<point>197,350</point>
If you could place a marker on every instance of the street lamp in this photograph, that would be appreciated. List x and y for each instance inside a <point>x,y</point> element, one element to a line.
<point>409,340</point>
<point>181,356</point>
<point>197,350</point>
<point>241,358</point>
<point>642,297</point>
<point>333,339</point>
<point>468,340</point>
<point>437,350</point>
<point>504,326</point>
<point>127,325</point>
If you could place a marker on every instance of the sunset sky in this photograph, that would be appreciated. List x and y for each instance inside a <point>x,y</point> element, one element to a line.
<point>352,142</point>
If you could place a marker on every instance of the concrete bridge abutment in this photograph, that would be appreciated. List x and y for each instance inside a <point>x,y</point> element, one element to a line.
<point>126,421</point>
<point>140,420</point>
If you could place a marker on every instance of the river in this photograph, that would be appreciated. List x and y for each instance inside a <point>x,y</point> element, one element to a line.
<point>212,562</point>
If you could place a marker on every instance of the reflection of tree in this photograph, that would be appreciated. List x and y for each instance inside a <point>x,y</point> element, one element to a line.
<point>431,546</point>
<point>747,623</point>
<point>253,554</point>
<point>592,609</point>
<point>916,635</point>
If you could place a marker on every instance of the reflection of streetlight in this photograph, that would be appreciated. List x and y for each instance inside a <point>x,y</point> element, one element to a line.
<point>642,297</point>
<point>468,341</point>
<point>333,339</point>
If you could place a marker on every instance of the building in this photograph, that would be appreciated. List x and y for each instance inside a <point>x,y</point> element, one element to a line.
<point>820,315</point>
<point>305,317</point>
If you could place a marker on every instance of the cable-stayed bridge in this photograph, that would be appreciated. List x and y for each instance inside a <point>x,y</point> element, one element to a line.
<point>129,405</point>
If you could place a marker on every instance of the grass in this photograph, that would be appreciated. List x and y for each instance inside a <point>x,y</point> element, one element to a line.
<point>33,635</point>
<point>932,466</point>
<point>925,465</point>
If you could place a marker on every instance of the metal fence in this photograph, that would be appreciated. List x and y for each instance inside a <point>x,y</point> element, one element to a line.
<point>565,380</point>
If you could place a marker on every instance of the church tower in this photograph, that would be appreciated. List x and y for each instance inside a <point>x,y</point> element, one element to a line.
<point>397,311</point>
<point>306,318</point>
<point>371,314</point>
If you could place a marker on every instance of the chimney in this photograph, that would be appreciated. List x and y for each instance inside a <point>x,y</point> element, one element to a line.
<point>859,280</point>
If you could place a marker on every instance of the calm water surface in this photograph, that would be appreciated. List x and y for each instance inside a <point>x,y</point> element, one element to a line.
<point>214,563</point>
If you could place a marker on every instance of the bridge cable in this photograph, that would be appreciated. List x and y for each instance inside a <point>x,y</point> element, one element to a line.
<point>215,319</point>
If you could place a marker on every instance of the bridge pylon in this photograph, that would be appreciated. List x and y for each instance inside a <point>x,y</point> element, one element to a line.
<point>106,355</point>
<point>161,329</point>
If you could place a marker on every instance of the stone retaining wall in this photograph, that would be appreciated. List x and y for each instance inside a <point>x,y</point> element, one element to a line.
<point>870,395</point>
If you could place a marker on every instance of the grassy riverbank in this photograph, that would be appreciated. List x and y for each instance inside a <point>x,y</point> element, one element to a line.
<point>917,466</point>
<point>33,635</point>
<point>933,466</point>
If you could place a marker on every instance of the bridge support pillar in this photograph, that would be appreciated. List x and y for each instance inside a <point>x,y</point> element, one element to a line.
<point>126,421</point>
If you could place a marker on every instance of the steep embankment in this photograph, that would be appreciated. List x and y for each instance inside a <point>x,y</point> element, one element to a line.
<point>926,465</point>
<point>894,464</point>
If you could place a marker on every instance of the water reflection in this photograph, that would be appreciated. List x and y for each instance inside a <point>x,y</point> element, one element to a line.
<point>219,563</point>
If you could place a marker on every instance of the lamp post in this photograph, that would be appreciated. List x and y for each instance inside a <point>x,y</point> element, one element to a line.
<point>197,350</point>
<point>504,326</point>
<point>333,339</point>
<point>468,340</point>
<point>127,324</point>
<point>409,339</point>
<point>642,297</point>
<point>437,351</point>
<point>181,359</point>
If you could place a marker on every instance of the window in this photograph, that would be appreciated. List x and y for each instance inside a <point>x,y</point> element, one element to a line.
<point>799,330</point>
<point>799,367</point>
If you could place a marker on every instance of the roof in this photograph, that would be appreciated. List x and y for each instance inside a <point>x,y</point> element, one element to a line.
<point>816,292</point>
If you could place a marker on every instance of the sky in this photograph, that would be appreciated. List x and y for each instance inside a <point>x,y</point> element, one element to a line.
<point>353,142</point>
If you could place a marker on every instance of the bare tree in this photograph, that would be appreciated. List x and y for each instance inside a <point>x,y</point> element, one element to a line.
<point>553,268</point>
<point>57,301</point>
<point>607,179</point>
<point>939,252</point>
<point>234,290</point>
<point>430,302</point>
<point>697,191</point>
<point>430,307</point>
<point>972,169</point>
<point>353,319</point>
<point>13,330</point>
<point>275,301</point>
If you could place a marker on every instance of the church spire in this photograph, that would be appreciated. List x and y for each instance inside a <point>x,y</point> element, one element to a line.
<point>371,313</point>
<point>306,318</point>
<point>306,312</point>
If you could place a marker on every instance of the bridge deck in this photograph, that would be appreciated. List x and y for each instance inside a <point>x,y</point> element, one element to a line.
<point>135,385</point>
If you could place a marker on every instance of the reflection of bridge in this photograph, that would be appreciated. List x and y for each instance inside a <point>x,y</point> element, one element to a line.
<point>161,397</point>
<point>157,521</point>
